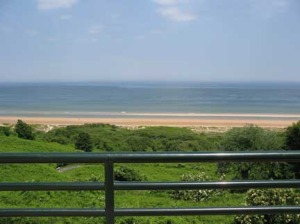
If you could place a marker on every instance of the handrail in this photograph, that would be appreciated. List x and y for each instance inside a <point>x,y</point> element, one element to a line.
<point>144,157</point>
<point>109,185</point>
<point>126,185</point>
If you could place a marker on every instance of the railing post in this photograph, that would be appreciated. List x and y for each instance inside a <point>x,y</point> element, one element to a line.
<point>109,192</point>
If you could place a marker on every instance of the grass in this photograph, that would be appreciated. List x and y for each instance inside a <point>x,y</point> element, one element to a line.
<point>15,144</point>
<point>95,199</point>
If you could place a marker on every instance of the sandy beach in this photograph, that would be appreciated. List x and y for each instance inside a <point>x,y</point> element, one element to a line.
<point>270,121</point>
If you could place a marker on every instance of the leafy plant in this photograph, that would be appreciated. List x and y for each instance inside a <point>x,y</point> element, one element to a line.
<point>293,143</point>
<point>253,138</point>
<point>195,195</point>
<point>293,136</point>
<point>127,174</point>
<point>23,130</point>
<point>270,197</point>
<point>84,142</point>
<point>5,130</point>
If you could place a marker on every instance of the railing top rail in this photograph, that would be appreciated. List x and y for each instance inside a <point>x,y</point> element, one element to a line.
<point>131,185</point>
<point>142,157</point>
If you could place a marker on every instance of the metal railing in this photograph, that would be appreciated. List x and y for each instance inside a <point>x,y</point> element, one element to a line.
<point>109,185</point>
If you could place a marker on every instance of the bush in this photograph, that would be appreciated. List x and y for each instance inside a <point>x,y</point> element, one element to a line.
<point>293,143</point>
<point>5,131</point>
<point>195,195</point>
<point>84,142</point>
<point>293,136</point>
<point>127,174</point>
<point>270,197</point>
<point>253,138</point>
<point>138,143</point>
<point>24,131</point>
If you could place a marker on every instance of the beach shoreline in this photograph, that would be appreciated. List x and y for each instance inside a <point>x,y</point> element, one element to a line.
<point>271,121</point>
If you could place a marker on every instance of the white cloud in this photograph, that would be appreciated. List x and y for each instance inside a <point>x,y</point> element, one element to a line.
<point>53,4</point>
<point>95,29</point>
<point>176,14</point>
<point>168,2</point>
<point>174,10</point>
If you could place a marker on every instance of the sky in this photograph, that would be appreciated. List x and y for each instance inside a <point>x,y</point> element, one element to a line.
<point>149,40</point>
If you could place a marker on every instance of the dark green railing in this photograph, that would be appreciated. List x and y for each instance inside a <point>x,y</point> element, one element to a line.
<point>109,186</point>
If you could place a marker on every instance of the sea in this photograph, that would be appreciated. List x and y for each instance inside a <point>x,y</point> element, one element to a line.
<point>148,99</point>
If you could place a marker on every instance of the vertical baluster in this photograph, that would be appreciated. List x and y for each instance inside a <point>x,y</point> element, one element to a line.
<point>109,192</point>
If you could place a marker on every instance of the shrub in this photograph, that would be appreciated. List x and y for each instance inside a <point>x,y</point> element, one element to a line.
<point>293,143</point>
<point>253,138</point>
<point>127,174</point>
<point>270,197</point>
<point>138,143</point>
<point>293,136</point>
<point>23,130</point>
<point>195,195</point>
<point>84,142</point>
<point>5,131</point>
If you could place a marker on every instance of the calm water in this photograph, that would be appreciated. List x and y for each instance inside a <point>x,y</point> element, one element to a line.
<point>119,99</point>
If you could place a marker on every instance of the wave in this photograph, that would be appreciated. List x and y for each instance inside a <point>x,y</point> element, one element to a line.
<point>124,114</point>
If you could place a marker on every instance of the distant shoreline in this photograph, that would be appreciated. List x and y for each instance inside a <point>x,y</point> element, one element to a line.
<point>207,120</point>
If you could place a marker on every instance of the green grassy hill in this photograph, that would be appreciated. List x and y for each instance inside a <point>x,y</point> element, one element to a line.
<point>85,172</point>
<point>112,138</point>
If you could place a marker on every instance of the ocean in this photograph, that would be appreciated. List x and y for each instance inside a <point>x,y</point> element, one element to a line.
<point>123,99</point>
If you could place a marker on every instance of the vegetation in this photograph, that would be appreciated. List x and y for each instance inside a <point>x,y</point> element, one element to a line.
<point>269,197</point>
<point>104,137</point>
<point>23,130</point>
<point>195,195</point>
<point>253,138</point>
<point>5,131</point>
<point>84,142</point>
<point>293,136</point>
<point>111,138</point>
<point>128,174</point>
<point>293,143</point>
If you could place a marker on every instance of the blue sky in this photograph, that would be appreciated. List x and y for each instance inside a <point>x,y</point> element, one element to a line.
<point>177,40</point>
